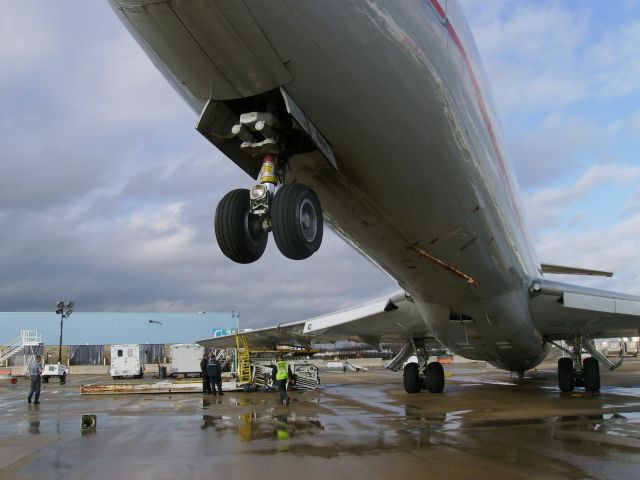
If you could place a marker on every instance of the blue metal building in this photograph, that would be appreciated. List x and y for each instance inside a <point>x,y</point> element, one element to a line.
<point>108,328</point>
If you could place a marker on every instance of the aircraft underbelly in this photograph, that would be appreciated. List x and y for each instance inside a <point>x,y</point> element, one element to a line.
<point>415,189</point>
<point>393,136</point>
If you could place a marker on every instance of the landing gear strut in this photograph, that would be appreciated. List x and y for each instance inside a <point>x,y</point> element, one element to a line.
<point>245,217</point>
<point>421,374</point>
<point>573,371</point>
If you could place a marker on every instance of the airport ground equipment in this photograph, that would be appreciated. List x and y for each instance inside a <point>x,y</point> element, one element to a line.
<point>28,343</point>
<point>185,359</point>
<point>304,371</point>
<point>630,348</point>
<point>127,360</point>
<point>244,359</point>
<point>55,370</point>
<point>5,374</point>
<point>164,386</point>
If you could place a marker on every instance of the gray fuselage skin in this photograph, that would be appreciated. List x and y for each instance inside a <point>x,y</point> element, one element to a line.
<point>398,90</point>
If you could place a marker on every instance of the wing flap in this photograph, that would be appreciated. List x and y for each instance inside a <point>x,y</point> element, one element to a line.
<point>562,311</point>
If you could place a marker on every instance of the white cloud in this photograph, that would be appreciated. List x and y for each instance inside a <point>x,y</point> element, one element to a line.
<point>613,249</point>
<point>545,206</point>
<point>553,148</point>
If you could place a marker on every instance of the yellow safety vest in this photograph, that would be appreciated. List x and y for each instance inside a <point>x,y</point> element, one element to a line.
<point>283,371</point>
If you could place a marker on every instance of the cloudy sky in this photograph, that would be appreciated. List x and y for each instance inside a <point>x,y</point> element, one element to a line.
<point>107,192</point>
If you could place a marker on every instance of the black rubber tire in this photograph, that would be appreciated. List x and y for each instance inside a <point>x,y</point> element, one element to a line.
<point>239,234</point>
<point>565,375</point>
<point>435,377</point>
<point>411,378</point>
<point>63,378</point>
<point>591,369</point>
<point>45,379</point>
<point>293,240</point>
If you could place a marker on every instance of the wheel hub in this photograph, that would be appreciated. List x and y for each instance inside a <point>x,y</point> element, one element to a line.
<point>308,220</point>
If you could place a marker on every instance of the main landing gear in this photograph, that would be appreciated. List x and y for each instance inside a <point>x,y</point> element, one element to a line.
<point>292,212</point>
<point>430,377</point>
<point>423,374</point>
<point>573,371</point>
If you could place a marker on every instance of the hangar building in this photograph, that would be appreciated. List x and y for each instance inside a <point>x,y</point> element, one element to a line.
<point>83,330</point>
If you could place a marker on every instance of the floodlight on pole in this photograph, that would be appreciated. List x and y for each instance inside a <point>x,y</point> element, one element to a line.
<point>64,311</point>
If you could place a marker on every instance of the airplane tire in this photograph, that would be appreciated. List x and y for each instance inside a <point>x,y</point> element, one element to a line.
<point>296,221</point>
<point>411,378</point>
<point>591,369</point>
<point>435,377</point>
<point>565,375</point>
<point>239,234</point>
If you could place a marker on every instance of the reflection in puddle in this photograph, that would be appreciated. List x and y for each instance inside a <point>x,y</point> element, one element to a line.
<point>34,426</point>
<point>251,426</point>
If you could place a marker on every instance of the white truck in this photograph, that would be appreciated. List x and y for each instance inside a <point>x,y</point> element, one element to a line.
<point>127,360</point>
<point>185,359</point>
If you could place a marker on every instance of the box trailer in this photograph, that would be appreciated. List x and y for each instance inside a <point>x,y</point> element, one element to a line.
<point>127,360</point>
<point>631,348</point>
<point>185,359</point>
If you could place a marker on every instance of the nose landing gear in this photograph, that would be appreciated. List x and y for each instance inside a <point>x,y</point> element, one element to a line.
<point>292,212</point>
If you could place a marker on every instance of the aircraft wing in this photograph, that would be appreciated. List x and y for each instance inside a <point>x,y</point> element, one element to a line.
<point>392,319</point>
<point>562,311</point>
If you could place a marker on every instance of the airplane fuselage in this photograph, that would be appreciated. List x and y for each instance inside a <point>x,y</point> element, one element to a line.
<point>422,186</point>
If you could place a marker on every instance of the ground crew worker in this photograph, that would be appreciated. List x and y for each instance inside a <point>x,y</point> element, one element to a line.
<point>206,385</point>
<point>282,372</point>
<point>36,380</point>
<point>214,371</point>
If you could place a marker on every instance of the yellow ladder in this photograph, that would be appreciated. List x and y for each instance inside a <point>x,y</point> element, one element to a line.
<point>244,359</point>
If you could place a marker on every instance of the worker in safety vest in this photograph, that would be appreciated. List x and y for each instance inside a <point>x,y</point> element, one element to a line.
<point>282,373</point>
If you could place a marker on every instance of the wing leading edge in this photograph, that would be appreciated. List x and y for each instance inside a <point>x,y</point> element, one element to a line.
<point>562,311</point>
<point>392,319</point>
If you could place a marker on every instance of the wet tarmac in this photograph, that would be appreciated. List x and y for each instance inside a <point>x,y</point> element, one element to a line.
<point>486,424</point>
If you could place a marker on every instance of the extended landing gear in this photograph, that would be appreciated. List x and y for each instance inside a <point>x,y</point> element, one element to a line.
<point>588,375</point>
<point>575,372</point>
<point>420,374</point>
<point>432,380</point>
<point>291,212</point>
<point>294,217</point>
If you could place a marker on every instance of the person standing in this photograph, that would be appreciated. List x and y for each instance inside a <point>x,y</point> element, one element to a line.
<point>282,373</point>
<point>206,385</point>
<point>214,371</point>
<point>35,370</point>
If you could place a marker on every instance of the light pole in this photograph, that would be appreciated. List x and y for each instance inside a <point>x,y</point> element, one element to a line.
<point>159,324</point>
<point>64,311</point>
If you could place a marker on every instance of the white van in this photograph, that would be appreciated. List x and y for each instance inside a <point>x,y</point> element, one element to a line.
<point>127,360</point>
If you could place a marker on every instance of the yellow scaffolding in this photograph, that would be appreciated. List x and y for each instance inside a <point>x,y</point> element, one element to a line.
<point>244,359</point>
